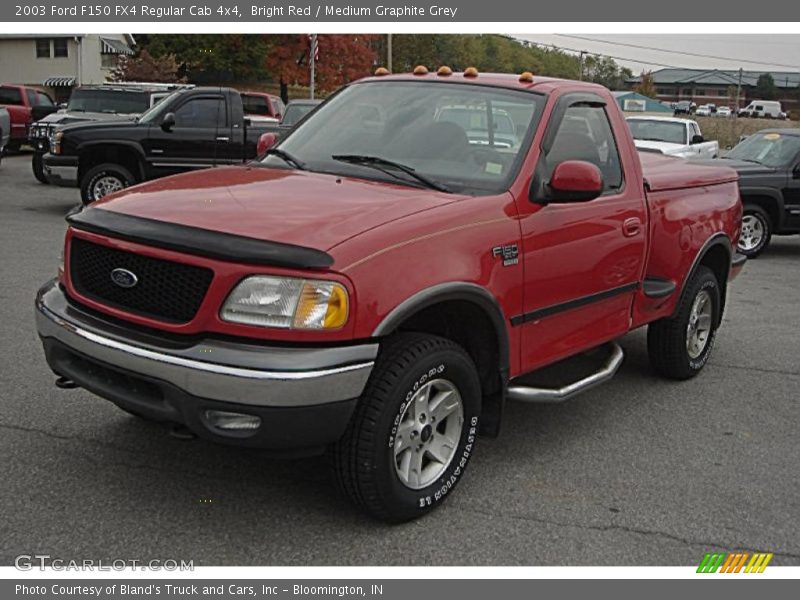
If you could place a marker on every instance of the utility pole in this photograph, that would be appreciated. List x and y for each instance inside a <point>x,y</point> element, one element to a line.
<point>580,75</point>
<point>738,91</point>
<point>389,52</point>
<point>312,60</point>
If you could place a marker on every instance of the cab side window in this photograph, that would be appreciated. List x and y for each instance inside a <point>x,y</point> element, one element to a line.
<point>585,134</point>
<point>202,113</point>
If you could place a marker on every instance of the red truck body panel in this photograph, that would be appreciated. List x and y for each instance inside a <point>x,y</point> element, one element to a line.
<point>389,242</point>
<point>21,115</point>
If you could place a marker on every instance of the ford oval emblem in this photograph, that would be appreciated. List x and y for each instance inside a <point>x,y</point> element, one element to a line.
<point>124,278</point>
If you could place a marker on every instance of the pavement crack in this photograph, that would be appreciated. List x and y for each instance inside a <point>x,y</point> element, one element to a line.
<point>758,369</point>
<point>629,529</point>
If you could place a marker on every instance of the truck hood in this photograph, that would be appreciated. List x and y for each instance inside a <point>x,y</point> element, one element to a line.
<point>116,124</point>
<point>314,210</point>
<point>743,167</point>
<point>65,117</point>
<point>665,147</point>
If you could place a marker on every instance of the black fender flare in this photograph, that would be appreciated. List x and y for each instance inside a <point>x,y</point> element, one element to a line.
<point>766,192</point>
<point>718,239</point>
<point>110,143</point>
<point>455,290</point>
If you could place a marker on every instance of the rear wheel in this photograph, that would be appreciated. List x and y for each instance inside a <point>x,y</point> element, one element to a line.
<point>103,180</point>
<point>679,346</point>
<point>756,231</point>
<point>413,431</point>
<point>37,165</point>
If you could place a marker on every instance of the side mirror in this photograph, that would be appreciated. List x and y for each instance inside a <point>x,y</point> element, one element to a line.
<point>168,122</point>
<point>265,142</point>
<point>575,181</point>
<point>697,139</point>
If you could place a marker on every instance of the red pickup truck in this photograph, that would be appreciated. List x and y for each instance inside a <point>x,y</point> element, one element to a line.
<point>394,270</point>
<point>25,105</point>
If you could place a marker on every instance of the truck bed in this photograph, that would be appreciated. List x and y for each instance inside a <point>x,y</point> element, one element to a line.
<point>663,173</point>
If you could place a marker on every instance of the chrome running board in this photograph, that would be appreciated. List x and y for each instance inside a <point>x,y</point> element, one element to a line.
<point>551,395</point>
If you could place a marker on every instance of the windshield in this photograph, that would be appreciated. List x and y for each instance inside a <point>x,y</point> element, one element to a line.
<point>657,131</point>
<point>438,130</point>
<point>154,114</point>
<point>770,149</point>
<point>108,101</point>
<point>295,112</point>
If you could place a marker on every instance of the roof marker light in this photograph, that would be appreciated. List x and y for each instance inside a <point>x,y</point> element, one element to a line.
<point>444,71</point>
<point>381,71</point>
<point>470,72</point>
<point>420,70</point>
<point>526,77</point>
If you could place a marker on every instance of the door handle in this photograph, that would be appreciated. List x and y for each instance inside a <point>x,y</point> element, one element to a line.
<point>631,227</point>
<point>223,138</point>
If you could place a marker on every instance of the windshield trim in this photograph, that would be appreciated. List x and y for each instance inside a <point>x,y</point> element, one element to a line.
<point>502,187</point>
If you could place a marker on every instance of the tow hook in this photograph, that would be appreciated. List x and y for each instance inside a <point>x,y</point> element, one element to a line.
<point>66,384</point>
<point>181,432</point>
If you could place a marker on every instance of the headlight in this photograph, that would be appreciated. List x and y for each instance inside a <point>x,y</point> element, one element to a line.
<point>287,302</point>
<point>55,142</point>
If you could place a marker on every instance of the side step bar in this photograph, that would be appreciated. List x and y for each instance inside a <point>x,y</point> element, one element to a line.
<point>549,395</point>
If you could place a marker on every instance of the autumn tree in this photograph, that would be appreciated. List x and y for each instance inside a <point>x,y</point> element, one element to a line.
<point>341,59</point>
<point>646,86</point>
<point>145,67</point>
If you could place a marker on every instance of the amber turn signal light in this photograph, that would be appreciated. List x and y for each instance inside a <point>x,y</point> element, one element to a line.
<point>420,70</point>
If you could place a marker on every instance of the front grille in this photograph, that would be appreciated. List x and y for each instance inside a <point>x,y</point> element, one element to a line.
<point>164,290</point>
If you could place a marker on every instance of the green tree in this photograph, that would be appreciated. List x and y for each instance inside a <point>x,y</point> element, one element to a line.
<point>210,58</point>
<point>605,71</point>
<point>765,87</point>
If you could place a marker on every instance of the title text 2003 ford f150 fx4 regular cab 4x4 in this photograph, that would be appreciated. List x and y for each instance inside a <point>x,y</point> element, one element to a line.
<point>380,287</point>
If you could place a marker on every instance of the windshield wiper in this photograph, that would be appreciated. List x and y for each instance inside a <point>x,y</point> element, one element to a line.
<point>383,164</point>
<point>287,158</point>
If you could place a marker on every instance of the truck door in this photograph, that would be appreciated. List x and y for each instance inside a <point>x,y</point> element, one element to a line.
<point>191,143</point>
<point>584,259</point>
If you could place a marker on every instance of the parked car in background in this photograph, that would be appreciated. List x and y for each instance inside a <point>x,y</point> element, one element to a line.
<point>295,112</point>
<point>106,102</point>
<point>763,109</point>
<point>724,111</point>
<point>704,110</point>
<point>5,130</point>
<point>192,128</point>
<point>25,105</point>
<point>684,107</point>
<point>671,136</point>
<point>768,163</point>
<point>379,290</point>
<point>260,106</point>
<point>475,123</point>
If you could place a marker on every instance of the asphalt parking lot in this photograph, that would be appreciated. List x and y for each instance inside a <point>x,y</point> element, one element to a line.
<point>637,472</point>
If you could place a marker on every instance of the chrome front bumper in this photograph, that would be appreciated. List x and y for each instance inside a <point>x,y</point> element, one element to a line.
<point>245,374</point>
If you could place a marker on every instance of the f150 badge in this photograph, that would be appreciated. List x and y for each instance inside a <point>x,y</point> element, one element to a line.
<point>509,253</point>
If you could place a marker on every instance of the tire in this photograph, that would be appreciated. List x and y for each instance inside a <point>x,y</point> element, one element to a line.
<point>669,345</point>
<point>756,232</point>
<point>104,179</point>
<point>38,168</point>
<point>372,462</point>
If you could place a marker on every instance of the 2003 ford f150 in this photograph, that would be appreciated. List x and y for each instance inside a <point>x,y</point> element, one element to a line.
<point>380,283</point>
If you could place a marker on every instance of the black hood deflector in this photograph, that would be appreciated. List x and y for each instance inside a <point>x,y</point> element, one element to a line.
<point>199,242</point>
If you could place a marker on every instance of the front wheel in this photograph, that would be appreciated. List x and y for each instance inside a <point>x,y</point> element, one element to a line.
<point>37,165</point>
<point>756,231</point>
<point>103,180</point>
<point>679,346</point>
<point>414,429</point>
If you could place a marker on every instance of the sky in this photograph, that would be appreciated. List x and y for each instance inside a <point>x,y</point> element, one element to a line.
<point>750,52</point>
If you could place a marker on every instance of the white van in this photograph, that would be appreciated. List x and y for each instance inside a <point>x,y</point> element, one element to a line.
<point>769,109</point>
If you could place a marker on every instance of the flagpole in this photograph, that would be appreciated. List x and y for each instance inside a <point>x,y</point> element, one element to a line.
<point>313,52</point>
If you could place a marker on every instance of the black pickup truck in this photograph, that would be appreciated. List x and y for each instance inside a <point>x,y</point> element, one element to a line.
<point>189,129</point>
<point>103,102</point>
<point>768,163</point>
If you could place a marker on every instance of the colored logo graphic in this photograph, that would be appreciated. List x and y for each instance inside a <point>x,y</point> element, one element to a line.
<point>734,562</point>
